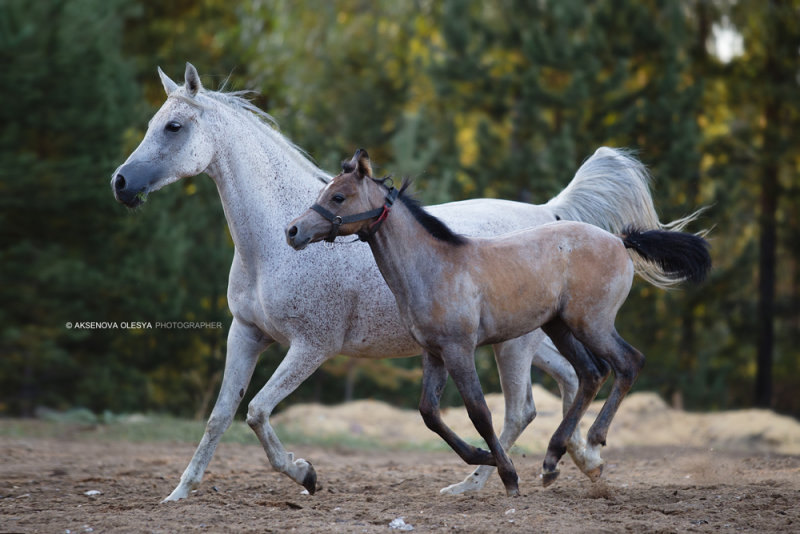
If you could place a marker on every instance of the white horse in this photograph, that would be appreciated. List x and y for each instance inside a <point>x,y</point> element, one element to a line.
<point>278,295</point>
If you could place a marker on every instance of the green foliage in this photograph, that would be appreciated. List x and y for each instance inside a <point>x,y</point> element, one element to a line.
<point>473,99</point>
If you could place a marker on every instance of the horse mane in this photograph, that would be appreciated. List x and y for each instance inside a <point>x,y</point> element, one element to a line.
<point>433,225</point>
<point>239,101</point>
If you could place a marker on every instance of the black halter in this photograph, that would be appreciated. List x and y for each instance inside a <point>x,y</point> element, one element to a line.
<point>381,214</point>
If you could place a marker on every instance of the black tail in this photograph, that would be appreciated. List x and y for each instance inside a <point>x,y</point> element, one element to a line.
<point>679,255</point>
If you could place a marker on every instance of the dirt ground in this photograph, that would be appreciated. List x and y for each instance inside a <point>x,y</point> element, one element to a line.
<point>44,485</point>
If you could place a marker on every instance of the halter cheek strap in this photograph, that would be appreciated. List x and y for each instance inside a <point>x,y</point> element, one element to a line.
<point>388,202</point>
<point>381,214</point>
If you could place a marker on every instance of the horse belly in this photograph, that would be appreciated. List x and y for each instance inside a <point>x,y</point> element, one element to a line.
<point>520,292</point>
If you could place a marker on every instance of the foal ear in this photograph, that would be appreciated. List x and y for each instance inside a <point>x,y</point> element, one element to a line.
<point>362,163</point>
<point>192,80</point>
<point>169,85</point>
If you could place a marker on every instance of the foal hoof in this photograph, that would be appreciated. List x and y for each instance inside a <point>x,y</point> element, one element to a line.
<point>595,474</point>
<point>310,480</point>
<point>550,477</point>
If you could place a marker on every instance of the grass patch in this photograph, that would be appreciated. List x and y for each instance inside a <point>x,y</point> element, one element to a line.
<point>160,428</point>
<point>137,428</point>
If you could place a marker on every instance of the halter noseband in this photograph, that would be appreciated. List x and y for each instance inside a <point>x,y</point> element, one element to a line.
<point>381,214</point>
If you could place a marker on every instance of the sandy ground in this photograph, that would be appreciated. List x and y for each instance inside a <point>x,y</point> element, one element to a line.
<point>728,476</point>
<point>662,489</point>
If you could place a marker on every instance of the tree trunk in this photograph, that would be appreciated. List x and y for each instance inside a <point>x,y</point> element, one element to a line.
<point>766,276</point>
<point>771,154</point>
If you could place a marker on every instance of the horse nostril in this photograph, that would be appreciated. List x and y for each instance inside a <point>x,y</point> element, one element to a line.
<point>292,231</point>
<point>119,182</point>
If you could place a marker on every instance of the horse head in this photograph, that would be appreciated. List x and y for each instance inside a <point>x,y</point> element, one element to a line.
<point>175,146</point>
<point>349,204</point>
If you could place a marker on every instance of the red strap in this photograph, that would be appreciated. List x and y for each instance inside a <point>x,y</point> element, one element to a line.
<point>382,217</point>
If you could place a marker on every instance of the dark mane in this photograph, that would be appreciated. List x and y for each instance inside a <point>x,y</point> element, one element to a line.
<point>434,226</point>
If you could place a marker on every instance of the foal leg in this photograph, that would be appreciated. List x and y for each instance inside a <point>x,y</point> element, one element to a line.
<point>627,362</point>
<point>460,363</point>
<point>549,360</point>
<point>434,378</point>
<point>298,364</point>
<point>590,377</point>
<point>245,343</point>
<point>513,360</point>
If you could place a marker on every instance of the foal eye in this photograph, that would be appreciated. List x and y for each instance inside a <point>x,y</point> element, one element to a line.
<point>173,126</point>
<point>338,198</point>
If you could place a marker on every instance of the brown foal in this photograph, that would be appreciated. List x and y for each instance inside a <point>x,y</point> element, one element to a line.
<point>456,293</point>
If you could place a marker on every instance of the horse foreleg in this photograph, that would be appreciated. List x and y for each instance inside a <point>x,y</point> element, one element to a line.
<point>513,360</point>
<point>434,378</point>
<point>244,346</point>
<point>460,363</point>
<point>298,364</point>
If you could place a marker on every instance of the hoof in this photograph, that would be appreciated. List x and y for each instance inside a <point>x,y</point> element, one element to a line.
<point>473,482</point>
<point>310,480</point>
<point>595,474</point>
<point>512,492</point>
<point>549,478</point>
<point>181,492</point>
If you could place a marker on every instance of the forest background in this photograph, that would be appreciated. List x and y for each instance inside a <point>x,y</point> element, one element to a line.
<point>501,99</point>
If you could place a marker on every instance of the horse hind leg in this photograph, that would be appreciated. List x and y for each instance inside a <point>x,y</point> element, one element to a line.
<point>591,375</point>
<point>513,360</point>
<point>626,362</point>
<point>553,363</point>
<point>434,378</point>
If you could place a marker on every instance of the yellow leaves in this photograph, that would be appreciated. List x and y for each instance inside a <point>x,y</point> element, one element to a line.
<point>503,62</point>
<point>717,126</point>
<point>638,80</point>
<point>706,162</point>
<point>555,79</point>
<point>610,118</point>
<point>418,50</point>
<point>388,28</point>
<point>466,139</point>
<point>466,183</point>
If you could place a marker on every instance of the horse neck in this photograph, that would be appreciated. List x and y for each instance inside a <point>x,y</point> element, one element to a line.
<point>408,257</point>
<point>262,181</point>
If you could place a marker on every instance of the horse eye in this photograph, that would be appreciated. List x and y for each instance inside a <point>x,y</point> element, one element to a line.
<point>173,126</point>
<point>338,198</point>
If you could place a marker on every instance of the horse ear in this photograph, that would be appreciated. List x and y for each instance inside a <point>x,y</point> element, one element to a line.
<point>362,163</point>
<point>169,85</point>
<point>192,80</point>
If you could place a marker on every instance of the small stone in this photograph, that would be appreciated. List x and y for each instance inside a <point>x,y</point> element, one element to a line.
<point>400,524</point>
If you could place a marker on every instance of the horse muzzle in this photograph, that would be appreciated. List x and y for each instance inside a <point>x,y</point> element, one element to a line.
<point>131,184</point>
<point>295,240</point>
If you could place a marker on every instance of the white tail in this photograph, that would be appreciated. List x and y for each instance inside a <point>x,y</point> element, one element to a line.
<point>612,190</point>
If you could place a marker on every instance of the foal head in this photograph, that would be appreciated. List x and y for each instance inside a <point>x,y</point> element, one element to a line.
<point>352,203</point>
